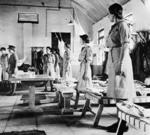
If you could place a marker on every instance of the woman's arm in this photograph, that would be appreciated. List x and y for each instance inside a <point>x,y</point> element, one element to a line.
<point>87,65</point>
<point>123,50</point>
<point>124,39</point>
<point>44,59</point>
<point>15,60</point>
<point>88,62</point>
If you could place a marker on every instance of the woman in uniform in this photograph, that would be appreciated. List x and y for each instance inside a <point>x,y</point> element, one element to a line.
<point>85,59</point>
<point>4,63</point>
<point>119,61</point>
<point>48,65</point>
<point>12,61</point>
<point>67,70</point>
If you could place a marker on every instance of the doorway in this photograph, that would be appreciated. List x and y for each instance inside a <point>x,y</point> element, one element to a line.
<point>36,59</point>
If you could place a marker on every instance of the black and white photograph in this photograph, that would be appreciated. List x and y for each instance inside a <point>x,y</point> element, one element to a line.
<point>74,67</point>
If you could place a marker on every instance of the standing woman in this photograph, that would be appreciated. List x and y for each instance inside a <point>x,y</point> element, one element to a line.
<point>39,62</point>
<point>0,69</point>
<point>4,63</point>
<point>56,64</point>
<point>119,60</point>
<point>85,59</point>
<point>12,61</point>
<point>67,70</point>
<point>48,65</point>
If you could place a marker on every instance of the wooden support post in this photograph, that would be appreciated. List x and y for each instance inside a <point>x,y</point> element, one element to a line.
<point>32,98</point>
<point>85,108</point>
<point>77,99</point>
<point>61,100</point>
<point>98,115</point>
<point>118,127</point>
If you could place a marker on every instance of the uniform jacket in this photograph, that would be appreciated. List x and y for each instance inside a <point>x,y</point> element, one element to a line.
<point>12,61</point>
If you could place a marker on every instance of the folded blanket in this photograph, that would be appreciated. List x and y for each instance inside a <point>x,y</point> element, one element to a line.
<point>136,110</point>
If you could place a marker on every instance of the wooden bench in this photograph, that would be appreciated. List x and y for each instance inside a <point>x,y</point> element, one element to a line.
<point>96,85</point>
<point>65,94</point>
<point>31,81</point>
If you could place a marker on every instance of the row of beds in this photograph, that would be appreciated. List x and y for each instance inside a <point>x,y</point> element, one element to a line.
<point>132,113</point>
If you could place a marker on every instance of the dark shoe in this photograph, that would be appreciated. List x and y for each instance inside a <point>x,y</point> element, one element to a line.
<point>122,130</point>
<point>113,127</point>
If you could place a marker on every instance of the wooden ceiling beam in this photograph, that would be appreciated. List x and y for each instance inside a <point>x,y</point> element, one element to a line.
<point>83,10</point>
<point>101,3</point>
<point>99,8</point>
<point>93,8</point>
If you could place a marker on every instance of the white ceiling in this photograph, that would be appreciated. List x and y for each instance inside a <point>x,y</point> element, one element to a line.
<point>93,9</point>
<point>96,9</point>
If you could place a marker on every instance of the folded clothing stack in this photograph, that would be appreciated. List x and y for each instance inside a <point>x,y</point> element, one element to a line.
<point>21,74</point>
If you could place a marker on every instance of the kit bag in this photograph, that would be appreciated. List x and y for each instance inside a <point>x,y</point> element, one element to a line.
<point>6,87</point>
<point>120,86</point>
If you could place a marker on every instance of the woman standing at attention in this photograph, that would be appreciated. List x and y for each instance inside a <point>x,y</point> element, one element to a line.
<point>12,61</point>
<point>85,59</point>
<point>48,66</point>
<point>119,60</point>
<point>4,63</point>
<point>67,70</point>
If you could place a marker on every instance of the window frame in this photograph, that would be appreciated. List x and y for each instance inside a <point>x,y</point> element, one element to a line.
<point>100,36</point>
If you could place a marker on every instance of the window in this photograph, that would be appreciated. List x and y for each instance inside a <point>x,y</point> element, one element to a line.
<point>101,37</point>
<point>101,54</point>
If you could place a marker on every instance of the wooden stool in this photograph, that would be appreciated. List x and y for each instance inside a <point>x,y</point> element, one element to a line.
<point>65,95</point>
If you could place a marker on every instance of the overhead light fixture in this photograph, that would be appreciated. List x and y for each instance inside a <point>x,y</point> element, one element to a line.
<point>72,17</point>
<point>71,23</point>
<point>42,3</point>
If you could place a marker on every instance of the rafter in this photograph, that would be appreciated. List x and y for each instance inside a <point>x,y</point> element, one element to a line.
<point>83,10</point>
<point>93,8</point>
<point>100,9</point>
<point>100,2</point>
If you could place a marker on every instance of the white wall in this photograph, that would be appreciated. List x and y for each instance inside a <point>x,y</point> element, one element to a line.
<point>141,14</point>
<point>12,32</point>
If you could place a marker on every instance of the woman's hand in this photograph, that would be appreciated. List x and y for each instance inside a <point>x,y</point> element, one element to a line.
<point>67,69</point>
<point>118,68</point>
<point>16,70</point>
<point>85,77</point>
<point>7,70</point>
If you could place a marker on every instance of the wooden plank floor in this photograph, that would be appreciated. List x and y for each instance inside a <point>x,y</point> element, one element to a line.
<point>13,118</point>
